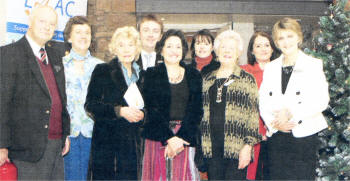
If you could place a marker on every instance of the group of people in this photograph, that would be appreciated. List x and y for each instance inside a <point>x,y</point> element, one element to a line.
<point>255,121</point>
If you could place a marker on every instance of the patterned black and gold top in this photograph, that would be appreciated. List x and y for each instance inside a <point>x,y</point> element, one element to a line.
<point>241,120</point>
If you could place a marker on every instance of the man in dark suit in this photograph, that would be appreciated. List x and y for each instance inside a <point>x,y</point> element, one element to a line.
<point>34,120</point>
<point>151,30</point>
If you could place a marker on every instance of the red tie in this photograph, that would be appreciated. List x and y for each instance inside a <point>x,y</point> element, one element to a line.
<point>43,56</point>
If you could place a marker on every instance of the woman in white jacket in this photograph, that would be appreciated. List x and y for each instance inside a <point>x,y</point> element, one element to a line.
<point>293,94</point>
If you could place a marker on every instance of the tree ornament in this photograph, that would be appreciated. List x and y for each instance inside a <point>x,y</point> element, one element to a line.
<point>329,46</point>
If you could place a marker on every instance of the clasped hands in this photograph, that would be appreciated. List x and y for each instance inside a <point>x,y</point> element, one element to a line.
<point>175,146</point>
<point>281,121</point>
<point>133,115</point>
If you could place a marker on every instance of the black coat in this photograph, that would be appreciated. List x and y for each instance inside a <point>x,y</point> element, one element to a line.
<point>25,100</point>
<point>157,101</point>
<point>111,133</point>
<point>106,90</point>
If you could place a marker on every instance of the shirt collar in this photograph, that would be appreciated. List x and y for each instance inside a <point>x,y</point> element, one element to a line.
<point>78,57</point>
<point>73,55</point>
<point>143,52</point>
<point>35,47</point>
<point>134,75</point>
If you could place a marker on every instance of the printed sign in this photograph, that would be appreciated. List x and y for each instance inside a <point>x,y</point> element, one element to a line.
<point>17,19</point>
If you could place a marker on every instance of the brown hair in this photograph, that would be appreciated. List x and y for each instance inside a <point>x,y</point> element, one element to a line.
<point>251,58</point>
<point>76,20</point>
<point>151,17</point>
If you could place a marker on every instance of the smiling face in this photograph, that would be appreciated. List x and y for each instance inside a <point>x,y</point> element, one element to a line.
<point>203,47</point>
<point>262,49</point>
<point>125,49</point>
<point>227,51</point>
<point>42,24</point>
<point>80,37</point>
<point>150,33</point>
<point>172,50</point>
<point>287,41</point>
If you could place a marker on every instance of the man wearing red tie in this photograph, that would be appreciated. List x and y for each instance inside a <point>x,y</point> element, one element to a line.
<point>34,121</point>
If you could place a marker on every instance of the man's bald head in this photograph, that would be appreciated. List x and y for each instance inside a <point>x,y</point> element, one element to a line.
<point>42,24</point>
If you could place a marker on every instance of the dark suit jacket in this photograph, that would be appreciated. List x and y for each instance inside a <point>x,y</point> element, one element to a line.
<point>158,61</point>
<point>158,99</point>
<point>26,102</point>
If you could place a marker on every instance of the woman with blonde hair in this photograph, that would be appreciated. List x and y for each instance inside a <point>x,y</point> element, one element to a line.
<point>115,140</point>
<point>293,94</point>
<point>230,126</point>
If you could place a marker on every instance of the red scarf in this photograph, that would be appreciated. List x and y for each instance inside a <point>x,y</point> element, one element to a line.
<point>201,62</point>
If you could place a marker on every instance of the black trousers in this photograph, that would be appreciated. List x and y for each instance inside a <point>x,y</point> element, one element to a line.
<point>262,171</point>
<point>225,169</point>
<point>291,158</point>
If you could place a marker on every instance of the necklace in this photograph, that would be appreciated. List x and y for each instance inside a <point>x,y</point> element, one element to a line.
<point>219,91</point>
<point>176,79</point>
<point>288,69</point>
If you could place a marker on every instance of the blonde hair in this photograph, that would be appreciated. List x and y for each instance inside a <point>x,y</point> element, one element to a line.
<point>287,24</point>
<point>229,34</point>
<point>127,32</point>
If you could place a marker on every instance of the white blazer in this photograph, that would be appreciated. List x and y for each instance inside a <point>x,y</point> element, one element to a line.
<point>306,95</point>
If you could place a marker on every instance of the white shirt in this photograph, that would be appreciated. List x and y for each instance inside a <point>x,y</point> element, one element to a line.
<point>35,47</point>
<point>148,59</point>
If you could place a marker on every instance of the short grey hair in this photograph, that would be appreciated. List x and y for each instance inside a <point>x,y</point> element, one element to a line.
<point>229,34</point>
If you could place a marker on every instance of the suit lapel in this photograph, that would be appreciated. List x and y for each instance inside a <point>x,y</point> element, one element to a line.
<point>118,77</point>
<point>57,68</point>
<point>293,80</point>
<point>278,75</point>
<point>34,65</point>
<point>139,62</point>
<point>165,82</point>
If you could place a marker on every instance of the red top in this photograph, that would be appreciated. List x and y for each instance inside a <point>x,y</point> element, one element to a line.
<point>55,125</point>
<point>201,62</point>
<point>257,72</point>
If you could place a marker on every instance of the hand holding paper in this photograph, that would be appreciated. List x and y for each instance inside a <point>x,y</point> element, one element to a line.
<point>133,97</point>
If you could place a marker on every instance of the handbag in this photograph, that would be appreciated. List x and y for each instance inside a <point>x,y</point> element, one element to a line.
<point>8,171</point>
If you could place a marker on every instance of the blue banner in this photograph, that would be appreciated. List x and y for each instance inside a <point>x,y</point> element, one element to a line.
<point>22,29</point>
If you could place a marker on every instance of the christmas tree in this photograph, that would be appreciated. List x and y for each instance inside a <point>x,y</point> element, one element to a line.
<point>332,46</point>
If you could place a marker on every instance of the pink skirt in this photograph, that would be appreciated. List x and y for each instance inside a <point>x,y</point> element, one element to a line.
<point>154,162</point>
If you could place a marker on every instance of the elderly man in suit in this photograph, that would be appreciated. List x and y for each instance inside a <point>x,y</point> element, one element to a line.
<point>34,121</point>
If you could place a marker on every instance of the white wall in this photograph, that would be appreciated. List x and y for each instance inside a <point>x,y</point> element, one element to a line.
<point>246,30</point>
<point>3,5</point>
